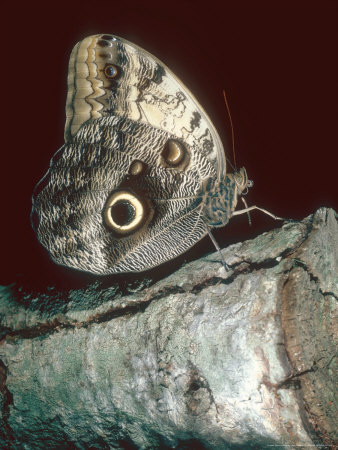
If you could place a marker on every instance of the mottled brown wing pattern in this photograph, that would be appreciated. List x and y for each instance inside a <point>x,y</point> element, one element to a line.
<point>69,203</point>
<point>139,178</point>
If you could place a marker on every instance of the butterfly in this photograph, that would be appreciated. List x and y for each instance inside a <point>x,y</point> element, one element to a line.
<point>142,174</point>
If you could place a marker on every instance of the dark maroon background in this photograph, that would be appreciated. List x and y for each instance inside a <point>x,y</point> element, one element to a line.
<point>277,61</point>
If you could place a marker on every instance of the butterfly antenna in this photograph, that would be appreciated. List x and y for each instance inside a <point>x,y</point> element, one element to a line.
<point>232,129</point>
<point>233,151</point>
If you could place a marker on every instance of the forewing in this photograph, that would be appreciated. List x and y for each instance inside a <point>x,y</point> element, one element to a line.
<point>143,90</point>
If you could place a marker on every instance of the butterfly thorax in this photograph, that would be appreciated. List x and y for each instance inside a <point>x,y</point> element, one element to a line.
<point>220,199</point>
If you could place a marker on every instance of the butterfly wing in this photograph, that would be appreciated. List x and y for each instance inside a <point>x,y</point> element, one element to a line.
<point>142,89</point>
<point>125,193</point>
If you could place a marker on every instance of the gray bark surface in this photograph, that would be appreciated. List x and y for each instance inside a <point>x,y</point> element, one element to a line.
<point>201,359</point>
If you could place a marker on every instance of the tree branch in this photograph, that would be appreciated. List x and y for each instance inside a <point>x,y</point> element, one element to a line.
<point>201,359</point>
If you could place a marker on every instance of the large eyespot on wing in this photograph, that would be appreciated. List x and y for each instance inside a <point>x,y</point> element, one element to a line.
<point>111,76</point>
<point>124,203</point>
<point>124,212</point>
<point>104,210</point>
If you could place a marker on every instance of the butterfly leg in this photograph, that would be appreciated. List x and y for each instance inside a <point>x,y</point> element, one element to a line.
<point>225,265</point>
<point>246,210</point>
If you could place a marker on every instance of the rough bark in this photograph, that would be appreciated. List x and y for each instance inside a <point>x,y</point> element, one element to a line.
<point>202,359</point>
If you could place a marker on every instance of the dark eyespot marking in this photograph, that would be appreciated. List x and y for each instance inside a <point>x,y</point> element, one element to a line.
<point>103,43</point>
<point>111,71</point>
<point>123,212</point>
<point>175,154</point>
<point>104,55</point>
<point>137,167</point>
<point>107,37</point>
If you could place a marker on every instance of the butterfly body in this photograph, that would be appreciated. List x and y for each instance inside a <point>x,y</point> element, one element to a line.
<point>142,173</point>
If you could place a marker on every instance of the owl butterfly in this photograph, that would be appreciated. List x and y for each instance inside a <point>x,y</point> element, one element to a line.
<point>142,174</point>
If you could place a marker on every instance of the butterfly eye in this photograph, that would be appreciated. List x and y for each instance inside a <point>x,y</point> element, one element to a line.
<point>175,154</point>
<point>124,212</point>
<point>111,71</point>
<point>241,179</point>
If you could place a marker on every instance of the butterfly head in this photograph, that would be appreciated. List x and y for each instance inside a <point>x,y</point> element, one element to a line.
<point>242,182</point>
